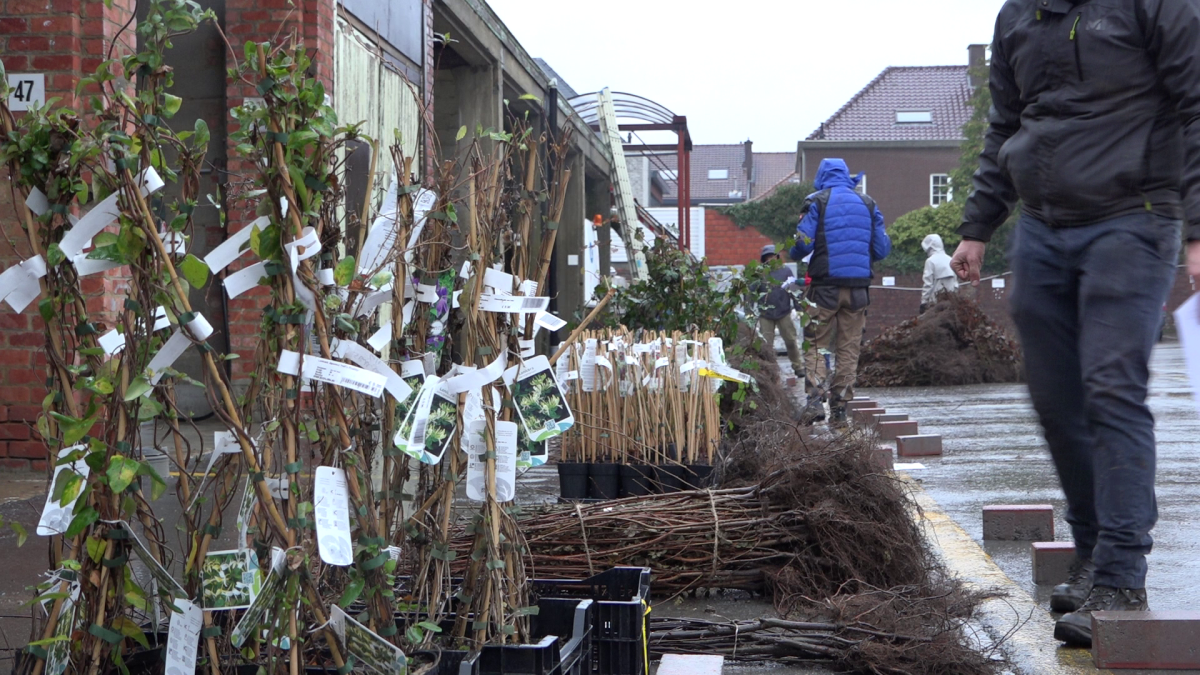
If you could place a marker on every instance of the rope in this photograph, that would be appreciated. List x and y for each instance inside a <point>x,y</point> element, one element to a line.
<point>712,502</point>
<point>587,550</point>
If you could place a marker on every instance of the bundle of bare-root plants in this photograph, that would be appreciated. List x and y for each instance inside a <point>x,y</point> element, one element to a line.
<point>810,522</point>
<point>953,343</point>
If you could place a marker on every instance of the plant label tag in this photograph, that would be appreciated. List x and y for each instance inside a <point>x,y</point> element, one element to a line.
<point>237,243</point>
<point>244,279</point>
<point>331,509</point>
<point>998,283</point>
<point>587,366</point>
<point>513,304</point>
<point>548,321</point>
<point>56,517</point>
<point>476,447</point>
<point>183,636</point>
<point>889,281</point>
<point>161,575</point>
<point>352,351</point>
<point>256,615</point>
<point>540,402</point>
<point>332,372</point>
<point>374,654</point>
<point>230,579</point>
<point>170,352</point>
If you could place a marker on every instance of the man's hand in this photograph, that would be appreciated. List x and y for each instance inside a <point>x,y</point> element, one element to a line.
<point>968,260</point>
<point>1193,258</point>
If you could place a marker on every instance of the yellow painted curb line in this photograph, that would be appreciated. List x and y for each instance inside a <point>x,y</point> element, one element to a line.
<point>1030,645</point>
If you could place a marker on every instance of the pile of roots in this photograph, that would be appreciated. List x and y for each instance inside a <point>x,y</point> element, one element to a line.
<point>952,343</point>
<point>807,519</point>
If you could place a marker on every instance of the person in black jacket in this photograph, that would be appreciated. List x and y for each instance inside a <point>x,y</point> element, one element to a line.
<point>1095,128</point>
<point>775,311</point>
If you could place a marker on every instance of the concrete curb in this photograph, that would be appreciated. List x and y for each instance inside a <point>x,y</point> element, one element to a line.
<point>1030,645</point>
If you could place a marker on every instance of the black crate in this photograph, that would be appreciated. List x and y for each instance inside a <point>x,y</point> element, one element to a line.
<point>565,652</point>
<point>621,601</point>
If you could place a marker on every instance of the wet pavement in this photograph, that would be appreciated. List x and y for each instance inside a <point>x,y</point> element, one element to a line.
<point>994,454</point>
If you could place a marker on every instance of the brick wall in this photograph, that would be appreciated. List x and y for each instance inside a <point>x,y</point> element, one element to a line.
<point>727,244</point>
<point>264,20</point>
<point>897,177</point>
<point>64,40</point>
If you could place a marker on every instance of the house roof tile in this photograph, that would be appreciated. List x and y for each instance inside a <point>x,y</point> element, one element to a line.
<point>944,91</point>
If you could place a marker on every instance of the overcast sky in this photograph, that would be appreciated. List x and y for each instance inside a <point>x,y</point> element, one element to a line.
<point>767,70</point>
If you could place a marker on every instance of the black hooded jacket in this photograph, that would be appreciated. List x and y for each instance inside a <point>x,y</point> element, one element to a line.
<point>1096,114</point>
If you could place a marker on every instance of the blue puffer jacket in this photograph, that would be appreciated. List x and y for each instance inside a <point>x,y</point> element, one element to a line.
<point>850,237</point>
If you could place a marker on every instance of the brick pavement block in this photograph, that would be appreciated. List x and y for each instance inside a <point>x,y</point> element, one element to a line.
<point>1019,522</point>
<point>859,404</point>
<point>889,417</point>
<point>1052,561</point>
<point>865,415</point>
<point>890,431</point>
<point>691,664</point>
<point>928,445</point>
<point>1167,640</point>
<point>883,458</point>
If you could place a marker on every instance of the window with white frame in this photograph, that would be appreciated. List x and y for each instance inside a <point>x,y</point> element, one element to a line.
<point>718,174</point>
<point>861,188</point>
<point>940,191</point>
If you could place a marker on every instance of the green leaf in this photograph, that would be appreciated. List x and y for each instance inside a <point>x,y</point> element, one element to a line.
<point>46,309</point>
<point>462,133</point>
<point>22,535</point>
<point>353,590</point>
<point>202,135</point>
<point>157,485</point>
<point>343,274</point>
<point>126,626</point>
<point>81,521</point>
<point>138,387</point>
<point>528,97</point>
<point>101,385</point>
<point>194,270</point>
<point>121,472</point>
<point>54,255</point>
<point>69,486</point>
<point>430,626</point>
<point>104,239</point>
<point>95,549</point>
<point>76,430</point>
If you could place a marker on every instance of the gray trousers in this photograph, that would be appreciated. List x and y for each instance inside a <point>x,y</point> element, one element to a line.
<point>1088,302</point>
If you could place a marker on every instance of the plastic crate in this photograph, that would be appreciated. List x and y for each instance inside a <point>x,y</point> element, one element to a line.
<point>620,603</point>
<point>551,654</point>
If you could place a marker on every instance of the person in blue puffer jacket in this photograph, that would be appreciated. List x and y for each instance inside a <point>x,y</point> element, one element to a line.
<point>844,232</point>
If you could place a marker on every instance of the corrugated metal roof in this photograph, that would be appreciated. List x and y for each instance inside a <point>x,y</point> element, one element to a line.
<point>943,91</point>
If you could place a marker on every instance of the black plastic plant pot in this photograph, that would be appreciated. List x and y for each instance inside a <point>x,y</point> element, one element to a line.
<point>697,477</point>
<point>670,477</point>
<point>604,481</point>
<point>637,480</point>
<point>573,480</point>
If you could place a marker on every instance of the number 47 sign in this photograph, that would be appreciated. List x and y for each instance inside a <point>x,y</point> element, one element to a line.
<point>25,90</point>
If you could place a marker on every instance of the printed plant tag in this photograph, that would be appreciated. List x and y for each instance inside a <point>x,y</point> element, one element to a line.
<point>476,447</point>
<point>333,372</point>
<point>506,461</point>
<point>183,638</point>
<point>331,506</point>
<point>512,304</point>
<point>372,652</point>
<point>530,453</point>
<point>256,615</point>
<point>587,366</point>
<point>245,508</point>
<point>540,402</point>
<point>58,653</point>
<point>166,582</point>
<point>231,579</point>
<point>56,517</point>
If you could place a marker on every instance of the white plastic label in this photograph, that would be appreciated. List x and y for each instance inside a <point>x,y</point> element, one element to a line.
<point>183,637</point>
<point>56,517</point>
<point>331,508</point>
<point>513,304</point>
<point>26,90</point>
<point>332,372</point>
<point>229,250</point>
<point>889,281</point>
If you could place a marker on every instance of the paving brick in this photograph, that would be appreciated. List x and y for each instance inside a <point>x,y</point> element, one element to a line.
<point>1052,561</point>
<point>1019,522</point>
<point>883,458</point>
<point>1167,640</point>
<point>928,445</point>
<point>890,431</point>
<point>889,417</point>
<point>691,664</point>
<point>865,415</point>
<point>859,404</point>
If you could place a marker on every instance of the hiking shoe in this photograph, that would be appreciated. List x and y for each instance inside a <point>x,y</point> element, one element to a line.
<point>1076,628</point>
<point>1071,595</point>
<point>813,412</point>
<point>837,415</point>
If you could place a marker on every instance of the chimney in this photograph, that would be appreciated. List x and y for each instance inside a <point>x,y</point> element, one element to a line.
<point>976,63</point>
<point>748,163</point>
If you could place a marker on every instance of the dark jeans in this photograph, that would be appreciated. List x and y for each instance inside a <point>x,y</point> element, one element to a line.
<point>1087,302</point>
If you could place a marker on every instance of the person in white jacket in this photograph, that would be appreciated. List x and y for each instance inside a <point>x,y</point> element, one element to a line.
<point>939,277</point>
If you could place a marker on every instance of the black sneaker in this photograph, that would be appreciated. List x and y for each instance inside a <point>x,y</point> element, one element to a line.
<point>1071,595</point>
<point>1076,628</point>
<point>837,415</point>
